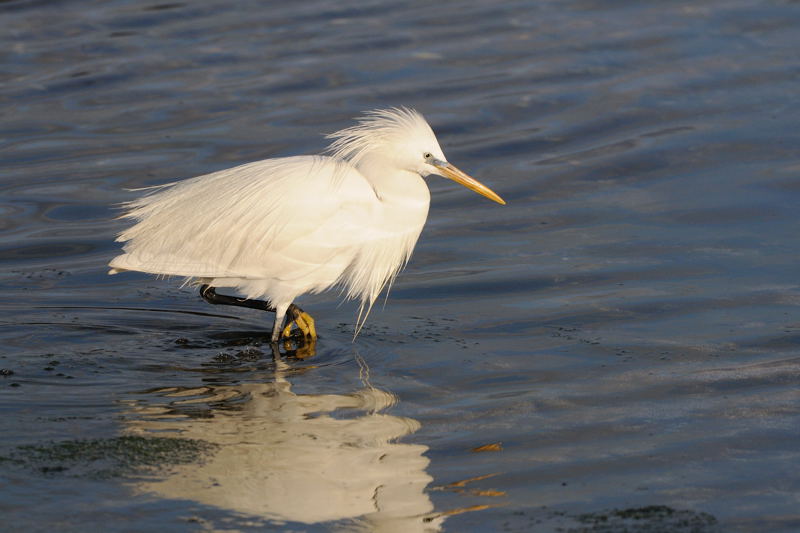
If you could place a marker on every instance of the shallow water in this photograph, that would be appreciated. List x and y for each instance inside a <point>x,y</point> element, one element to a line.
<point>619,347</point>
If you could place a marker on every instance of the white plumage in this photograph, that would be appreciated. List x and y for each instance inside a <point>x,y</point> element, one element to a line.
<point>280,228</point>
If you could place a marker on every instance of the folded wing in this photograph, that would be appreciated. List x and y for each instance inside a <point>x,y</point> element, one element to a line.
<point>295,218</point>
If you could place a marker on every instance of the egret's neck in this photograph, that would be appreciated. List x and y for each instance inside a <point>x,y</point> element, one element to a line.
<point>395,187</point>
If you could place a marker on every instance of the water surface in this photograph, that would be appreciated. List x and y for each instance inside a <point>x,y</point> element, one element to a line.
<point>618,347</point>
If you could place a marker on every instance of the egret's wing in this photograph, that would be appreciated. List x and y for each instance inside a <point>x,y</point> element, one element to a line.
<point>278,218</point>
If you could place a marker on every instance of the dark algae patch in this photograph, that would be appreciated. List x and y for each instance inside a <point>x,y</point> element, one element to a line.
<point>104,458</point>
<point>650,519</point>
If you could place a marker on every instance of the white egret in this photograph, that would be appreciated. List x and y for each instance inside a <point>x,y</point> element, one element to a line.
<point>279,228</point>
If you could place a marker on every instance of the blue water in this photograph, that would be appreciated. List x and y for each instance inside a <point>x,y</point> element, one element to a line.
<point>626,331</point>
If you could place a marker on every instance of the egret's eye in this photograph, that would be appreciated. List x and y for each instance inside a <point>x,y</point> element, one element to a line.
<point>427,155</point>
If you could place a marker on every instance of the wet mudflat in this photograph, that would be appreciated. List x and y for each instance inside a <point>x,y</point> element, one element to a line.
<point>617,349</point>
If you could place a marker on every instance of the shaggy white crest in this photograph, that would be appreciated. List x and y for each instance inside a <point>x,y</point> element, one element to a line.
<point>382,131</point>
<point>280,228</point>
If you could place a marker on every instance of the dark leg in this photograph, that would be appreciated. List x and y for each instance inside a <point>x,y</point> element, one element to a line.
<point>210,295</point>
<point>296,315</point>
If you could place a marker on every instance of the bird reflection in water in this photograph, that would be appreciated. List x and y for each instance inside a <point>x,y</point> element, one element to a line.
<point>304,458</point>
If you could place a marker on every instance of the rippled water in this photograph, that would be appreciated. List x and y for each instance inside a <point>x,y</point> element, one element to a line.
<point>619,347</point>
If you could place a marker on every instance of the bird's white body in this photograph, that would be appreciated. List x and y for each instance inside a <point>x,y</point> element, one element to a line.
<point>228,229</point>
<point>280,228</point>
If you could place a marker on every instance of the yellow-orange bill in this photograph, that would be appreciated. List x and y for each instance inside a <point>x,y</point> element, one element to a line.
<point>450,171</point>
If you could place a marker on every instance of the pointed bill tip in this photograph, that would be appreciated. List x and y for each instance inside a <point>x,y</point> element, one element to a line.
<point>452,172</point>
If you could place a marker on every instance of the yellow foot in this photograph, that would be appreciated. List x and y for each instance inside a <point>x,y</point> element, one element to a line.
<point>300,348</point>
<point>302,320</point>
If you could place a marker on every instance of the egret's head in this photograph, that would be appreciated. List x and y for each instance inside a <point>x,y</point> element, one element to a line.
<point>400,137</point>
<point>396,137</point>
